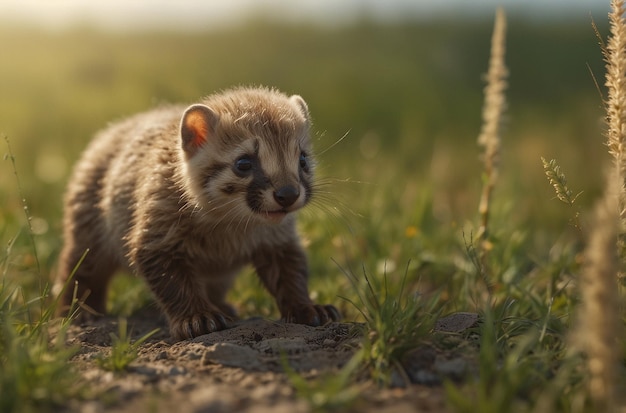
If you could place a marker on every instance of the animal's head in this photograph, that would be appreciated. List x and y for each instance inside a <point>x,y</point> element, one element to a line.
<point>248,155</point>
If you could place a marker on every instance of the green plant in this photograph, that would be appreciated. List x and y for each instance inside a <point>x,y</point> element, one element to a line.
<point>35,373</point>
<point>123,350</point>
<point>396,321</point>
<point>506,383</point>
<point>557,179</point>
<point>331,391</point>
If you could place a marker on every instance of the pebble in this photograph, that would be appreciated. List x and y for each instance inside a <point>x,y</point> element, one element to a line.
<point>457,322</point>
<point>232,355</point>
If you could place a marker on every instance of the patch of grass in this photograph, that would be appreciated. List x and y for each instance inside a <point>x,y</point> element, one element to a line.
<point>34,371</point>
<point>34,375</point>
<point>123,350</point>
<point>396,321</point>
<point>508,381</point>
<point>331,391</point>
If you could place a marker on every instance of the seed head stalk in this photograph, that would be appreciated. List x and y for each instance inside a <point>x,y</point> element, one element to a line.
<point>600,328</point>
<point>493,110</point>
<point>615,60</point>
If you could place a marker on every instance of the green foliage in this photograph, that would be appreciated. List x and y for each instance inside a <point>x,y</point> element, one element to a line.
<point>505,384</point>
<point>331,391</point>
<point>522,337</point>
<point>123,350</point>
<point>34,370</point>
<point>396,321</point>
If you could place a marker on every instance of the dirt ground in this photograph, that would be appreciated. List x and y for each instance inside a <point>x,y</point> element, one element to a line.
<point>241,369</point>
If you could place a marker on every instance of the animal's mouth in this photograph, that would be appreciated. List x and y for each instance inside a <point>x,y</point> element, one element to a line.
<point>274,216</point>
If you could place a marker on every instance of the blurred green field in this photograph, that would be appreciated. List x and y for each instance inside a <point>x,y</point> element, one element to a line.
<point>407,97</point>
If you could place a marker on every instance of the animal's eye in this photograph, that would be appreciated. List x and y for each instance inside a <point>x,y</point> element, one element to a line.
<point>304,162</point>
<point>243,164</point>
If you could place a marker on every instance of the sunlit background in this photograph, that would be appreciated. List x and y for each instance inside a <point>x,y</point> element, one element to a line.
<point>203,15</point>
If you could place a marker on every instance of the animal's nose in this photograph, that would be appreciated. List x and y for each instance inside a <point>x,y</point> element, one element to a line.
<point>286,195</point>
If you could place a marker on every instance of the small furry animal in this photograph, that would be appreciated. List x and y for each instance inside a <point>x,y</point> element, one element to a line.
<point>185,197</point>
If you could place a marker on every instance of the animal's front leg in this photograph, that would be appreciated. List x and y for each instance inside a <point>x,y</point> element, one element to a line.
<point>284,272</point>
<point>177,288</point>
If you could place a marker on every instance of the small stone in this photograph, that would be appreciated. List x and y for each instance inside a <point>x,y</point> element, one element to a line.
<point>177,371</point>
<point>329,343</point>
<point>232,355</point>
<point>457,322</point>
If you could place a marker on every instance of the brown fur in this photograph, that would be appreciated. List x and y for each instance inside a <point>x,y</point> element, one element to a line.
<point>185,198</point>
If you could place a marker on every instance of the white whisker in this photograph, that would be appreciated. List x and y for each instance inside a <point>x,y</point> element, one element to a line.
<point>334,143</point>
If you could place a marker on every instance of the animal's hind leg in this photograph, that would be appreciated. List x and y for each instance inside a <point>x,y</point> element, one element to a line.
<point>90,278</point>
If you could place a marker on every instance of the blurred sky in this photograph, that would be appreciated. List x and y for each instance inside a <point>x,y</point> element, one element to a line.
<point>208,14</point>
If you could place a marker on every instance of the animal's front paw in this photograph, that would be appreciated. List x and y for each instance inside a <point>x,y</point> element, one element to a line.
<point>182,328</point>
<point>312,314</point>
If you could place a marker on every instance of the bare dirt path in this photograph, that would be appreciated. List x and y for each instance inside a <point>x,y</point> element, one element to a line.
<point>241,369</point>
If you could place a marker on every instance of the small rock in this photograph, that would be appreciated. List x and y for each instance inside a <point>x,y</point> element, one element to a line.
<point>232,355</point>
<point>329,343</point>
<point>177,371</point>
<point>457,322</point>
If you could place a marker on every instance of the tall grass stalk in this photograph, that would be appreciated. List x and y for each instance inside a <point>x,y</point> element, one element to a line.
<point>600,327</point>
<point>493,109</point>
<point>615,59</point>
<point>27,215</point>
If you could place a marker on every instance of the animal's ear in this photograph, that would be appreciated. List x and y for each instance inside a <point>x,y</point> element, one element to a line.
<point>197,125</point>
<point>297,99</point>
